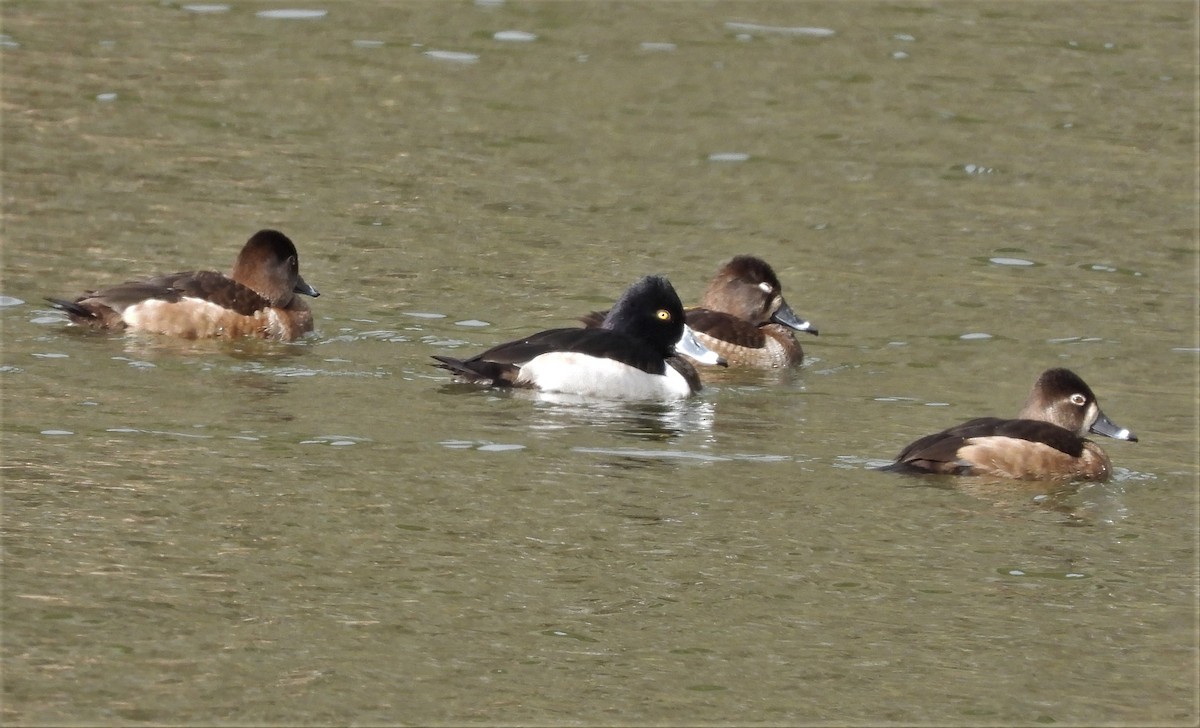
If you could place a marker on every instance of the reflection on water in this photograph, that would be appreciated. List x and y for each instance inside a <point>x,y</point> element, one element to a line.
<point>1079,503</point>
<point>553,411</point>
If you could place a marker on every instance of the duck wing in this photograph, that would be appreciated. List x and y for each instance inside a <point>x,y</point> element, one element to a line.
<point>501,364</point>
<point>726,327</point>
<point>939,453</point>
<point>206,285</point>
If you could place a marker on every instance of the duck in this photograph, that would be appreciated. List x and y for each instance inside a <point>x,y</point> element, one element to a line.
<point>635,353</point>
<point>744,317</point>
<point>256,299</point>
<point>1047,440</point>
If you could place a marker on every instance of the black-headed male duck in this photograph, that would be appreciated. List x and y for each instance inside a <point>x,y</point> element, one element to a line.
<point>631,355</point>
<point>257,298</point>
<point>1045,442</point>
<point>744,318</point>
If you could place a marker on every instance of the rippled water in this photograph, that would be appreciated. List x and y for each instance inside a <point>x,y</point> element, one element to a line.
<point>333,531</point>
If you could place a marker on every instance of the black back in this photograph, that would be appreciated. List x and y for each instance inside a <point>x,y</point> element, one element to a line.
<point>640,330</point>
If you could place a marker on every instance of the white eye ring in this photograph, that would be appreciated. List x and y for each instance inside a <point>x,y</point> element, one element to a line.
<point>1078,399</point>
<point>766,287</point>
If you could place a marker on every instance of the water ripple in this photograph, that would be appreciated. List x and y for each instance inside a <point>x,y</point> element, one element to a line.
<point>780,30</point>
<point>515,36</point>
<point>453,56</point>
<point>680,455</point>
<point>292,14</point>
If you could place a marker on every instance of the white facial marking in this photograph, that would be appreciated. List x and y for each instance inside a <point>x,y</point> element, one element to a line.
<point>766,288</point>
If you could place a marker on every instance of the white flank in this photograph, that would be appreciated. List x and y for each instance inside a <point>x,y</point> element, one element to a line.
<point>591,376</point>
<point>188,316</point>
<point>138,315</point>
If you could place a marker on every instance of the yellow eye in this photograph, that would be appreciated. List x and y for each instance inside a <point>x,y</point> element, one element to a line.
<point>663,314</point>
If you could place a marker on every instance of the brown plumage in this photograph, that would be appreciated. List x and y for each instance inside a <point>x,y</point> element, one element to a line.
<point>744,317</point>
<point>257,298</point>
<point>1045,442</point>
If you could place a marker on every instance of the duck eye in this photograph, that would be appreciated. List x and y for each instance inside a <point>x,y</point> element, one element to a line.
<point>663,314</point>
<point>766,288</point>
<point>1078,400</point>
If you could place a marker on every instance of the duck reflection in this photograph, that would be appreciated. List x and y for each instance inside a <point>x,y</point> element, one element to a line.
<point>645,421</point>
<point>1078,503</point>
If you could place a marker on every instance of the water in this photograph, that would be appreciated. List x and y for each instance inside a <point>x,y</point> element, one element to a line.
<point>332,531</point>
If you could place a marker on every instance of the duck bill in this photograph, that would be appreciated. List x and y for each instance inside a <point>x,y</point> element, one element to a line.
<point>1108,428</point>
<point>787,317</point>
<point>302,287</point>
<point>689,345</point>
